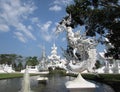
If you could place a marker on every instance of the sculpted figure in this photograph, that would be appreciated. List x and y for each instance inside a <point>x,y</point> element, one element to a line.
<point>81,45</point>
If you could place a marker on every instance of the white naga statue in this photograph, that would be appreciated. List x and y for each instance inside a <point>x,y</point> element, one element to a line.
<point>85,47</point>
<point>81,54</point>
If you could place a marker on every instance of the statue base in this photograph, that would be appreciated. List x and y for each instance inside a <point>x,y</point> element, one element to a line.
<point>80,85</point>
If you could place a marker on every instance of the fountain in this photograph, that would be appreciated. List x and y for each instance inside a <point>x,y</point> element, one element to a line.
<point>81,57</point>
<point>26,82</point>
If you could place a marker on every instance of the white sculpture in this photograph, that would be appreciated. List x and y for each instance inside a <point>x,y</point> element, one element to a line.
<point>85,47</point>
<point>81,45</point>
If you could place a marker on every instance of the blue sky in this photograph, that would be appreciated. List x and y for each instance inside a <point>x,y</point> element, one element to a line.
<point>28,25</point>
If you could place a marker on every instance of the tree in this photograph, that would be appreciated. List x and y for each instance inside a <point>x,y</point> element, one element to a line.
<point>32,61</point>
<point>97,64</point>
<point>8,58</point>
<point>19,67</point>
<point>100,17</point>
<point>12,59</point>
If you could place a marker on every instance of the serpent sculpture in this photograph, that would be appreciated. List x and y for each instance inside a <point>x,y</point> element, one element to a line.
<point>83,49</point>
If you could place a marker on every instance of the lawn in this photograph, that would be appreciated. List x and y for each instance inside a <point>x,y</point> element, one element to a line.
<point>12,75</point>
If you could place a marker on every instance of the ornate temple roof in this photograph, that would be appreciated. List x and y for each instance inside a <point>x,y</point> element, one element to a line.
<point>54,55</point>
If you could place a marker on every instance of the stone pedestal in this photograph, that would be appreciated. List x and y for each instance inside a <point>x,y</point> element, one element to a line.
<point>80,85</point>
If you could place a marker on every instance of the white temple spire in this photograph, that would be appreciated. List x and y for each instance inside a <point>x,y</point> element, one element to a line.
<point>54,57</point>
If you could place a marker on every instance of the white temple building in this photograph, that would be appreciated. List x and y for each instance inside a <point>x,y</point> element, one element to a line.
<point>43,62</point>
<point>31,69</point>
<point>110,65</point>
<point>4,68</point>
<point>55,60</point>
<point>42,66</point>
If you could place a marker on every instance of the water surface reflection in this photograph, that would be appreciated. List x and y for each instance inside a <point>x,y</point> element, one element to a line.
<point>55,83</point>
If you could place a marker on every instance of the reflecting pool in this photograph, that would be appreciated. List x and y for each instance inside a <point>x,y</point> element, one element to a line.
<point>55,83</point>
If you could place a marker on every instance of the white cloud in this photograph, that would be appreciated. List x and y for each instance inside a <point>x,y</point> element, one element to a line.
<point>62,2</point>
<point>40,46</point>
<point>20,36</point>
<point>55,8</point>
<point>30,27</point>
<point>57,5</point>
<point>14,13</point>
<point>4,28</point>
<point>25,30</point>
<point>46,26</point>
<point>47,38</point>
<point>54,29</point>
<point>63,39</point>
<point>35,20</point>
<point>46,31</point>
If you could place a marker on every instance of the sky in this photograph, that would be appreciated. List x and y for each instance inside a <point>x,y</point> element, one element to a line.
<point>26,26</point>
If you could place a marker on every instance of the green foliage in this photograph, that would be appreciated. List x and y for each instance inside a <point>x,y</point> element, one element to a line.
<point>57,70</point>
<point>19,67</point>
<point>17,61</point>
<point>97,64</point>
<point>12,59</point>
<point>8,58</point>
<point>100,17</point>
<point>32,61</point>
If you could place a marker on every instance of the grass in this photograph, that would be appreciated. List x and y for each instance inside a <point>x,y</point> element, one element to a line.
<point>12,75</point>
